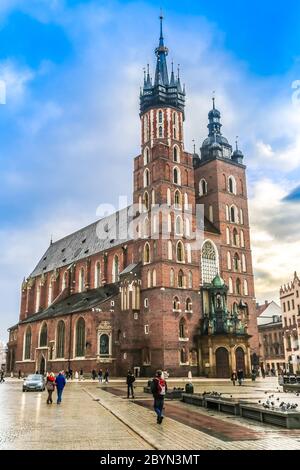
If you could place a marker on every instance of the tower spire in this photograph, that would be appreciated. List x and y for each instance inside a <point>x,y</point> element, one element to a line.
<point>161,72</point>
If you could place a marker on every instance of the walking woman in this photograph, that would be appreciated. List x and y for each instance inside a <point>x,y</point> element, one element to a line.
<point>50,386</point>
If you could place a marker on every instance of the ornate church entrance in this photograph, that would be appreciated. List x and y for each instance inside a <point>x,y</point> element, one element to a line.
<point>240,359</point>
<point>222,363</point>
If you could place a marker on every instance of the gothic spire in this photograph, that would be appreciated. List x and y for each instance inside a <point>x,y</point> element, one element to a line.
<point>161,71</point>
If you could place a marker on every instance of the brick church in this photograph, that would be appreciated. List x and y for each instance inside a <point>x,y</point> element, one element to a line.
<point>165,283</point>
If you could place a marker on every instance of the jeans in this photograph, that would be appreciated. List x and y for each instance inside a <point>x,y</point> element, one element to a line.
<point>49,399</point>
<point>130,389</point>
<point>158,406</point>
<point>59,394</point>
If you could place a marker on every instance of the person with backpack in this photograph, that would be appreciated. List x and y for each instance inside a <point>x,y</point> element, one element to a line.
<point>50,386</point>
<point>159,389</point>
<point>130,379</point>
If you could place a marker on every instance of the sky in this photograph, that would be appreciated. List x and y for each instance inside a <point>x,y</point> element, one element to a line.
<point>69,128</point>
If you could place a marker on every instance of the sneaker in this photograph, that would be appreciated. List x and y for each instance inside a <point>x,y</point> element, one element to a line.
<point>161,419</point>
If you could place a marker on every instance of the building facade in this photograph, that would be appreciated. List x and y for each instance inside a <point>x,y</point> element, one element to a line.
<point>290,307</point>
<point>270,332</point>
<point>175,291</point>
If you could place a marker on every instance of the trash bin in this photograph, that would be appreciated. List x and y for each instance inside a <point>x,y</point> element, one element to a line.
<point>189,388</point>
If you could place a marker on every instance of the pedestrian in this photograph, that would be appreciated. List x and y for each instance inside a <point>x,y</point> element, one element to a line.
<point>70,374</point>
<point>100,376</point>
<point>81,374</point>
<point>50,386</point>
<point>159,389</point>
<point>19,374</point>
<point>60,383</point>
<point>233,377</point>
<point>2,376</point>
<point>240,376</point>
<point>253,374</point>
<point>130,379</point>
<point>94,374</point>
<point>106,376</point>
<point>263,373</point>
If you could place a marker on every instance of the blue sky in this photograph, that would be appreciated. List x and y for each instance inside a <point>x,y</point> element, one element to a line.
<point>70,123</point>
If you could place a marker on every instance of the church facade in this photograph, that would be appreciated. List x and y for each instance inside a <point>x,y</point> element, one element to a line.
<point>166,283</point>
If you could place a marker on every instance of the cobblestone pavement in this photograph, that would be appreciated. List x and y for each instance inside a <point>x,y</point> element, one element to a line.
<point>94,416</point>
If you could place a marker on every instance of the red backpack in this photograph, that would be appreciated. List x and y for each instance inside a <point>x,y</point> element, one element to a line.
<point>161,387</point>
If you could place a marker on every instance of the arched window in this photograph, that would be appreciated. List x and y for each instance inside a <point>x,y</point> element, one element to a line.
<point>242,239</point>
<point>170,250</point>
<point>115,269</point>
<point>236,262</point>
<point>169,223</point>
<point>172,277</point>
<point>97,281</point>
<point>160,116</point>
<point>177,199</point>
<point>154,278</point>
<point>38,297</point>
<point>180,252</point>
<point>234,215</point>
<point>183,356</point>
<point>190,279</point>
<point>81,280</point>
<point>182,328</point>
<point>149,279</point>
<point>146,156</point>
<point>43,336</point>
<point>211,213</point>
<point>27,344</point>
<point>60,339</point>
<point>104,345</point>
<point>146,201</point>
<point>238,286</point>
<point>188,252</point>
<point>176,304</point>
<point>146,253</point>
<point>168,197</point>
<point>176,176</point>
<point>227,236</point>
<point>235,237</point>
<point>160,131</point>
<point>245,287</point>
<point>230,286</point>
<point>146,178</point>
<point>232,185</point>
<point>209,259</point>
<point>176,154</point>
<point>180,278</point>
<point>64,280</point>
<point>244,266</point>
<point>228,260</point>
<point>179,225</point>
<point>202,187</point>
<point>80,338</point>
<point>188,305</point>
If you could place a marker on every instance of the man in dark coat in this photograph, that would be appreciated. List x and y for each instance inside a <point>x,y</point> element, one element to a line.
<point>130,380</point>
<point>60,383</point>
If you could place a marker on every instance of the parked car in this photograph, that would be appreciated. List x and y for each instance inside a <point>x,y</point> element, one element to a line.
<point>34,382</point>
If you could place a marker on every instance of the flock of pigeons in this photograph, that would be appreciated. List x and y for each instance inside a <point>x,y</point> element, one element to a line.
<point>272,403</point>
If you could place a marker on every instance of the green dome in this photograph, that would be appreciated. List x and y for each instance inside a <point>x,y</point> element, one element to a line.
<point>218,281</point>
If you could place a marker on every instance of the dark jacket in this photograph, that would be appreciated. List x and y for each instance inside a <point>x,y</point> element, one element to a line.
<point>60,382</point>
<point>130,379</point>
<point>240,374</point>
<point>154,388</point>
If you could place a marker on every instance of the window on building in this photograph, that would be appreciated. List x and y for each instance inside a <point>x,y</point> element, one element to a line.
<point>27,345</point>
<point>50,292</point>
<point>233,214</point>
<point>97,275</point>
<point>175,154</point>
<point>202,187</point>
<point>180,278</point>
<point>154,278</point>
<point>176,304</point>
<point>177,199</point>
<point>38,297</point>
<point>182,328</point>
<point>285,322</point>
<point>60,339</point>
<point>236,262</point>
<point>104,345</point>
<point>284,307</point>
<point>81,280</point>
<point>148,278</point>
<point>209,261</point>
<point>188,305</point>
<point>44,335</point>
<point>183,356</point>
<point>235,237</point>
<point>160,116</point>
<point>176,176</point>
<point>115,269</point>
<point>227,236</point>
<point>179,225</point>
<point>160,131</point>
<point>80,338</point>
<point>293,304</point>
<point>238,286</point>
<point>232,185</point>
<point>180,252</point>
<point>146,253</point>
<point>146,156</point>
<point>64,280</point>
<point>146,178</point>
<point>172,277</point>
<point>146,329</point>
<point>288,305</point>
<point>228,260</point>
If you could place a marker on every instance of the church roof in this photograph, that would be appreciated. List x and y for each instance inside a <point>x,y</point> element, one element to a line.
<point>96,237</point>
<point>78,302</point>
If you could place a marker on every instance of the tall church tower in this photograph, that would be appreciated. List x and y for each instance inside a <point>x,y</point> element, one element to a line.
<point>164,177</point>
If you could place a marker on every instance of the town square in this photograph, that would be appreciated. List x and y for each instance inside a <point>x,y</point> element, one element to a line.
<point>150,245</point>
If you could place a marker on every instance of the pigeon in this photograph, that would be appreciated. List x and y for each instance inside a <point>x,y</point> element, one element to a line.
<point>259,401</point>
